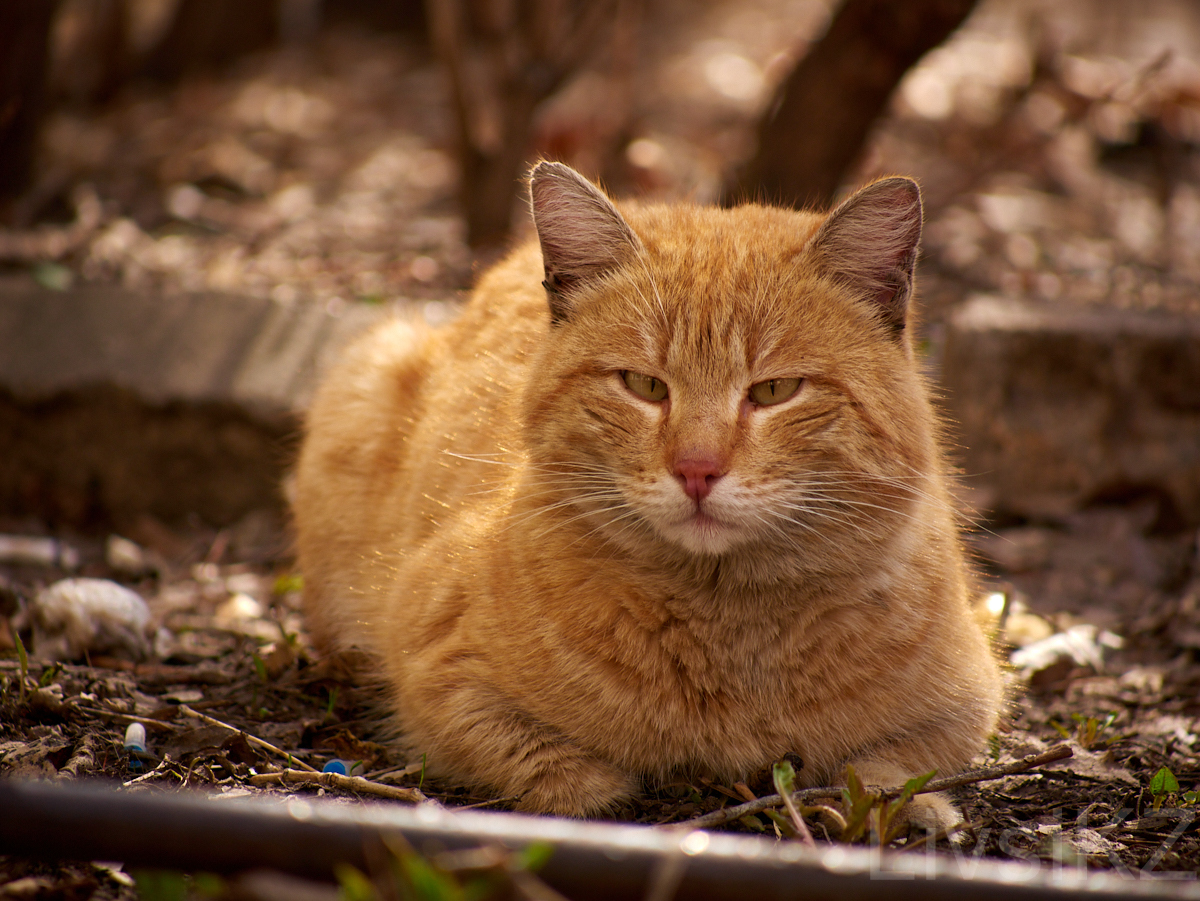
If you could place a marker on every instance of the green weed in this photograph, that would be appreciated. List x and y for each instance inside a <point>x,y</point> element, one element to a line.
<point>333,696</point>
<point>473,875</point>
<point>23,663</point>
<point>1163,784</point>
<point>287,584</point>
<point>783,774</point>
<point>171,885</point>
<point>1090,732</point>
<point>260,667</point>
<point>869,814</point>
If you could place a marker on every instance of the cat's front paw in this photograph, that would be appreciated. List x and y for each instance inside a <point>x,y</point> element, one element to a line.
<point>931,813</point>
<point>576,785</point>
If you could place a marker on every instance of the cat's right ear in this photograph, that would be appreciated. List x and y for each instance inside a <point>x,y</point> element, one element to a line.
<point>581,233</point>
<point>870,243</point>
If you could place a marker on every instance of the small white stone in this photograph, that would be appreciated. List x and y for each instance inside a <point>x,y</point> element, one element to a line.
<point>125,556</point>
<point>240,606</point>
<point>74,617</point>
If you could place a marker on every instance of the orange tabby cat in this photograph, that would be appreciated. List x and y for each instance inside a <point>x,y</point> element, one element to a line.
<point>666,499</point>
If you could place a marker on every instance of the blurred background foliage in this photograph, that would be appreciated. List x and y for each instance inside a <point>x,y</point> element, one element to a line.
<point>376,148</point>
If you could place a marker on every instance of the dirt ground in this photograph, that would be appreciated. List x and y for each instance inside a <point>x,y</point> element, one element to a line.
<point>1058,156</point>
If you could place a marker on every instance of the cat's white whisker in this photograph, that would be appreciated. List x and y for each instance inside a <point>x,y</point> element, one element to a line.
<point>581,515</point>
<point>631,519</point>
<point>815,522</point>
<point>836,509</point>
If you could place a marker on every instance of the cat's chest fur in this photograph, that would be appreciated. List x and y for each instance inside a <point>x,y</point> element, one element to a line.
<point>697,668</point>
<point>667,497</point>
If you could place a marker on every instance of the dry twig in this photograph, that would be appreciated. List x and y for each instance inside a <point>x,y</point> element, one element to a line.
<point>808,796</point>
<point>124,717</point>
<point>258,742</point>
<point>163,766</point>
<point>941,834</point>
<point>337,780</point>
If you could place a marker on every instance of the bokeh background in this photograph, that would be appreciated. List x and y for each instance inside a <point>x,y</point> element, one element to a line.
<point>372,149</point>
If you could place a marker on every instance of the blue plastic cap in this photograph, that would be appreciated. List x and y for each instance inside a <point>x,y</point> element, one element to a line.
<point>335,766</point>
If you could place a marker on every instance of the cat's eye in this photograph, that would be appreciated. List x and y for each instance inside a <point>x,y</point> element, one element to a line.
<point>773,391</point>
<point>646,386</point>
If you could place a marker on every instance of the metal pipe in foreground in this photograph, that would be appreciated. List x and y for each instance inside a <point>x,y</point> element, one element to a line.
<point>306,837</point>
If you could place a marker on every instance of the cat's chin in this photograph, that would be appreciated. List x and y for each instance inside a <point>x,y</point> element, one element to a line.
<point>701,534</point>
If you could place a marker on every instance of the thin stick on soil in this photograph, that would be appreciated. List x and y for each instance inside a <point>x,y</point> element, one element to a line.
<point>1058,752</point>
<point>128,717</point>
<point>404,769</point>
<point>942,834</point>
<point>490,803</point>
<point>163,765</point>
<point>337,780</point>
<point>265,745</point>
<point>808,796</point>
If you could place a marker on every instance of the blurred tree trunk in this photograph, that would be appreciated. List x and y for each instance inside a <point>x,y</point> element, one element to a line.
<point>207,33</point>
<point>24,50</point>
<point>815,128</point>
<point>92,60</point>
<point>378,15</point>
<point>504,57</point>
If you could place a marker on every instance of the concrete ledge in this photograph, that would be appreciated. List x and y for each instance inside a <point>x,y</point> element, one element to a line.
<point>1060,407</point>
<point>115,403</point>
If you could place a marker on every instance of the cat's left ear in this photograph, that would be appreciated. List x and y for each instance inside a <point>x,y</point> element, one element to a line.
<point>581,233</point>
<point>870,242</point>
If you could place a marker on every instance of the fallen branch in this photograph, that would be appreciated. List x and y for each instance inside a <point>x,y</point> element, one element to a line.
<point>986,774</point>
<point>122,717</point>
<point>258,742</point>
<point>809,795</point>
<point>337,780</point>
<point>941,835</point>
<point>162,767</point>
<point>480,805</point>
<point>83,759</point>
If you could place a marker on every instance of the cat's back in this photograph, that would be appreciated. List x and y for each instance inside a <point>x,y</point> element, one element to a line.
<point>410,428</point>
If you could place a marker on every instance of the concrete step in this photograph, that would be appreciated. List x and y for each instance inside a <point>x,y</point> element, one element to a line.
<point>116,402</point>
<point>1059,407</point>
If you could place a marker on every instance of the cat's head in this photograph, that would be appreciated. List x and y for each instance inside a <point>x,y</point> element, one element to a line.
<point>729,380</point>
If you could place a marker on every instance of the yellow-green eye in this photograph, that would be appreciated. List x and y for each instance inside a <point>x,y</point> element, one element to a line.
<point>773,391</point>
<point>646,386</point>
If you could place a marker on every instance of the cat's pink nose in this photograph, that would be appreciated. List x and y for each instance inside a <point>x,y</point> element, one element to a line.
<point>698,475</point>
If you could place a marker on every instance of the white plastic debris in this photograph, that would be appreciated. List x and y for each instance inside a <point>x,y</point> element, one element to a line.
<point>75,617</point>
<point>1083,644</point>
<point>35,551</point>
<point>135,745</point>
<point>125,556</point>
<point>239,606</point>
<point>135,737</point>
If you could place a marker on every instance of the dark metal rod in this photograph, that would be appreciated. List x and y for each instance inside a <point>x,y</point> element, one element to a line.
<point>306,837</point>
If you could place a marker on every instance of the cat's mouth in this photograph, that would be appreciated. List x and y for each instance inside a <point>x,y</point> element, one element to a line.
<point>703,533</point>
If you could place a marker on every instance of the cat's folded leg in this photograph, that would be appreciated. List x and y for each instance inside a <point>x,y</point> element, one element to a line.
<point>486,742</point>
<point>561,778</point>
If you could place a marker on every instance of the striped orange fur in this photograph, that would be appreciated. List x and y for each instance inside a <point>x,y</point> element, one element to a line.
<point>591,539</point>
